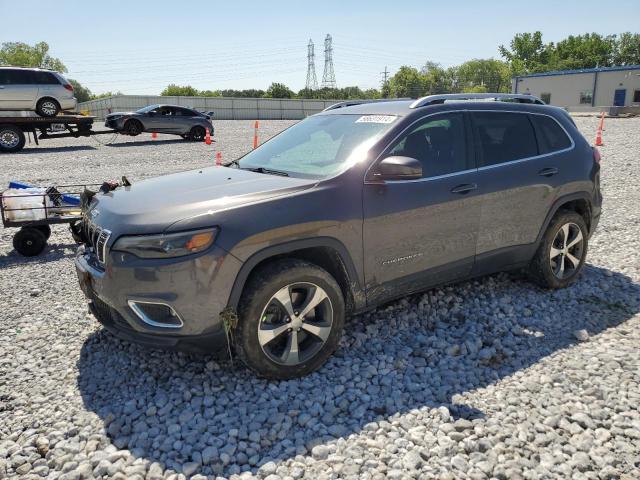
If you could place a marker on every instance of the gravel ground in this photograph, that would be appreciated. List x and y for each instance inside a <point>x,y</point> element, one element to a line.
<point>489,378</point>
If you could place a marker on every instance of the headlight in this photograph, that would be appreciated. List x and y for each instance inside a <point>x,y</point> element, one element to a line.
<point>166,246</point>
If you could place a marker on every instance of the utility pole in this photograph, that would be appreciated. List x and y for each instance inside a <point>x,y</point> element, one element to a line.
<point>329,76</point>
<point>312,81</point>
<point>385,82</point>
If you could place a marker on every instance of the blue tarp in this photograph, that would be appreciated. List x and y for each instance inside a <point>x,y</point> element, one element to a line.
<point>68,199</point>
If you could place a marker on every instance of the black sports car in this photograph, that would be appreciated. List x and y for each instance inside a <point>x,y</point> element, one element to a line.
<point>188,123</point>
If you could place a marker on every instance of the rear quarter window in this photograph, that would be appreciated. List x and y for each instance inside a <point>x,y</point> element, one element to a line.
<point>504,137</point>
<point>551,136</point>
<point>45,78</point>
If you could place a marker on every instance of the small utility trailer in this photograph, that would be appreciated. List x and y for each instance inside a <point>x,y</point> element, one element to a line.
<point>13,129</point>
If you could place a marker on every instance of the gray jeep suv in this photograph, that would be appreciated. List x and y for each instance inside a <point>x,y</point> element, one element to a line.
<point>346,210</point>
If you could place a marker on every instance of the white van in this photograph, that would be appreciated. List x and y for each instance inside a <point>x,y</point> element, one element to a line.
<point>43,91</point>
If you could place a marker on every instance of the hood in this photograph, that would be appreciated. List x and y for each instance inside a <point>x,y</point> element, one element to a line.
<point>151,206</point>
<point>120,114</point>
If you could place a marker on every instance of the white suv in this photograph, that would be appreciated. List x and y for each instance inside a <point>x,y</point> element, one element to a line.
<point>45,91</point>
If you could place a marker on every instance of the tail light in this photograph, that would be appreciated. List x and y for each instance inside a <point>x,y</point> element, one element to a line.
<point>68,86</point>
<point>596,155</point>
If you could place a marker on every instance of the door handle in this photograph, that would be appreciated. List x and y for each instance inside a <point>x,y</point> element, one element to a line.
<point>464,188</point>
<point>548,172</point>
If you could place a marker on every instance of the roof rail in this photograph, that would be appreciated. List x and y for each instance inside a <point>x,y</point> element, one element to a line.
<point>498,97</point>
<point>350,103</point>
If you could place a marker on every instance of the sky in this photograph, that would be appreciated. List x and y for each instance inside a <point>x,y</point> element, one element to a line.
<point>139,47</point>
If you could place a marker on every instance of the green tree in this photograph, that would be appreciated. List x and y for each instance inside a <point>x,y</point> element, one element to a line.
<point>174,90</point>
<point>484,75</point>
<point>279,90</point>
<point>527,53</point>
<point>583,51</point>
<point>106,95</point>
<point>627,49</point>
<point>20,54</point>
<point>408,82</point>
<point>83,94</point>
<point>306,93</point>
<point>210,93</point>
<point>437,79</point>
<point>371,93</point>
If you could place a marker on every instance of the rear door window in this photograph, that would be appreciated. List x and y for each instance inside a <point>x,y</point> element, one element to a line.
<point>551,136</point>
<point>184,112</point>
<point>504,137</point>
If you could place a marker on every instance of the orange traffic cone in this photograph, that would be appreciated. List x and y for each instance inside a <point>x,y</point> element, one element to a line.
<point>154,135</point>
<point>599,132</point>
<point>207,137</point>
<point>601,127</point>
<point>599,138</point>
<point>219,158</point>
<point>255,134</point>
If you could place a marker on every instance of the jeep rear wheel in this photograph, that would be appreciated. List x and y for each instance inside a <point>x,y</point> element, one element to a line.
<point>562,252</point>
<point>291,317</point>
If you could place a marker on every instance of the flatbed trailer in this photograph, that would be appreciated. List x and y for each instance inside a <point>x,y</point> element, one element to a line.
<point>13,130</point>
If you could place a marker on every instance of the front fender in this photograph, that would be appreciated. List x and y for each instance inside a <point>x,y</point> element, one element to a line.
<point>272,251</point>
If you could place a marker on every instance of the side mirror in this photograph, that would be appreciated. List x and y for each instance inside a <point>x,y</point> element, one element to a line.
<point>397,168</point>
<point>151,113</point>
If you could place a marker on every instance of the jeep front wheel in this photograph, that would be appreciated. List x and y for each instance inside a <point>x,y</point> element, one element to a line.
<point>291,317</point>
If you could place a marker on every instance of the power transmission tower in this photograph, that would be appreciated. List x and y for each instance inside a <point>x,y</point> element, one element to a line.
<point>328,77</point>
<point>312,81</point>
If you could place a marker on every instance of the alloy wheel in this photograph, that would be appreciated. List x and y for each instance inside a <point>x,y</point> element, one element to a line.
<point>295,323</point>
<point>566,251</point>
<point>48,108</point>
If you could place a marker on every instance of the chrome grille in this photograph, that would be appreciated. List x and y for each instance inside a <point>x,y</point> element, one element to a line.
<point>97,238</point>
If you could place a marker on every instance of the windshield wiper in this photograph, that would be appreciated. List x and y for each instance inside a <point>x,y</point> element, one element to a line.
<point>268,171</point>
<point>233,162</point>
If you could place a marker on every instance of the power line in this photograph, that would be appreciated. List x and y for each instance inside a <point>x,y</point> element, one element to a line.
<point>312,81</point>
<point>329,76</point>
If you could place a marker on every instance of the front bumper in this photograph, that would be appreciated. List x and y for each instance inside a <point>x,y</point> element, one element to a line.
<point>115,123</point>
<point>196,288</point>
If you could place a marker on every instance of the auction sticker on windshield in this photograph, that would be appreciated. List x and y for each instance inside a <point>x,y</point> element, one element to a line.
<point>376,119</point>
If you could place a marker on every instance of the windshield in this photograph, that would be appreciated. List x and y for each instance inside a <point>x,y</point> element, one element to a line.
<point>147,109</point>
<point>320,146</point>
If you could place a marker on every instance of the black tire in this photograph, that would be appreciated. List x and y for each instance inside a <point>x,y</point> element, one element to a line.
<point>76,231</point>
<point>45,229</point>
<point>29,241</point>
<point>197,134</point>
<point>258,297</point>
<point>545,268</point>
<point>47,107</point>
<point>133,127</point>
<point>12,139</point>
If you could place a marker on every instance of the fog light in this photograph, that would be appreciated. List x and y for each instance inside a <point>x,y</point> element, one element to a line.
<point>156,314</point>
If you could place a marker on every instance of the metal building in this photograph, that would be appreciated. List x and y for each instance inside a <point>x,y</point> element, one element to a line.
<point>584,90</point>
